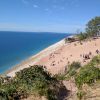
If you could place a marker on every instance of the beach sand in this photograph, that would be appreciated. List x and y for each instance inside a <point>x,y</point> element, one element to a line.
<point>59,55</point>
<point>33,60</point>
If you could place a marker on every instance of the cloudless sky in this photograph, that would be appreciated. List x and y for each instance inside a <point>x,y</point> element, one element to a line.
<point>47,15</point>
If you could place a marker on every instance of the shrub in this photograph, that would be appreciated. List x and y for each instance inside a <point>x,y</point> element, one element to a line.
<point>80,94</point>
<point>96,60</point>
<point>72,73</point>
<point>74,65</point>
<point>82,36</point>
<point>88,75</point>
<point>34,79</point>
<point>60,76</point>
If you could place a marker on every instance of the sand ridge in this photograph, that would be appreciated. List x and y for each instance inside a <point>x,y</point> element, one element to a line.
<point>59,55</point>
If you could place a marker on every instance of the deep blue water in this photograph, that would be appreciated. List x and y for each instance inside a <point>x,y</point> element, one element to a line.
<point>17,46</point>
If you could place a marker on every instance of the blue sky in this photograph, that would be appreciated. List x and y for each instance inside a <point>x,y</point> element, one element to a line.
<point>47,15</point>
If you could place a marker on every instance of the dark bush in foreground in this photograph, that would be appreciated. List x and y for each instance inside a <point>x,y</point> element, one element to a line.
<point>29,81</point>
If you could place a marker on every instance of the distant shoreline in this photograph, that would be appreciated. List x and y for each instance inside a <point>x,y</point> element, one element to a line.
<point>38,32</point>
<point>33,59</point>
<point>59,55</point>
<point>16,47</point>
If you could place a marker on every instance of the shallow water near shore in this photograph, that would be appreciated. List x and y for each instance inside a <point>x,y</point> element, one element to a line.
<point>18,46</point>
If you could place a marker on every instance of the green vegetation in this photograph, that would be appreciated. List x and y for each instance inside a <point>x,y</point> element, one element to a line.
<point>30,81</point>
<point>96,60</point>
<point>35,80</point>
<point>73,67</point>
<point>82,36</point>
<point>92,29</point>
<point>60,76</point>
<point>80,94</point>
<point>89,73</point>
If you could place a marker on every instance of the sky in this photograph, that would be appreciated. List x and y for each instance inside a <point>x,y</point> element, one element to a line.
<point>66,16</point>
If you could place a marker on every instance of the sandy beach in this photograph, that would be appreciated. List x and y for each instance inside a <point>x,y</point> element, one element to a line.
<point>59,55</point>
<point>35,58</point>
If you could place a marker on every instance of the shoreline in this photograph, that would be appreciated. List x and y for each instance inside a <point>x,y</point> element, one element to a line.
<point>57,56</point>
<point>34,58</point>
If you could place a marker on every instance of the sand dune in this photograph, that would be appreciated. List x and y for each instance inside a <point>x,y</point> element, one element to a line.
<point>68,53</point>
<point>59,55</point>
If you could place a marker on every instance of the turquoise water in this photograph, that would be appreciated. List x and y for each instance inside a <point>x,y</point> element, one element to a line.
<point>18,46</point>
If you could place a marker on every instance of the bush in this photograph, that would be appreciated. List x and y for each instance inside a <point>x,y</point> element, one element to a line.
<point>29,81</point>
<point>80,94</point>
<point>72,73</point>
<point>96,60</point>
<point>74,65</point>
<point>60,76</point>
<point>82,36</point>
<point>88,75</point>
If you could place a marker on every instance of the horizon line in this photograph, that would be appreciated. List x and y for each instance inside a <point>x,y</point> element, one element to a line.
<point>38,32</point>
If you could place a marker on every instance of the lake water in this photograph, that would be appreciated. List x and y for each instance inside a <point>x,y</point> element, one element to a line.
<point>18,46</point>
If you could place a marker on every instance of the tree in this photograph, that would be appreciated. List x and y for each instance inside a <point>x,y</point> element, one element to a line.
<point>82,36</point>
<point>93,27</point>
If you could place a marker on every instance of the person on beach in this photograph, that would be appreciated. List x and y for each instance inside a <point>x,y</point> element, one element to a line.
<point>90,53</point>
<point>80,55</point>
<point>97,51</point>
